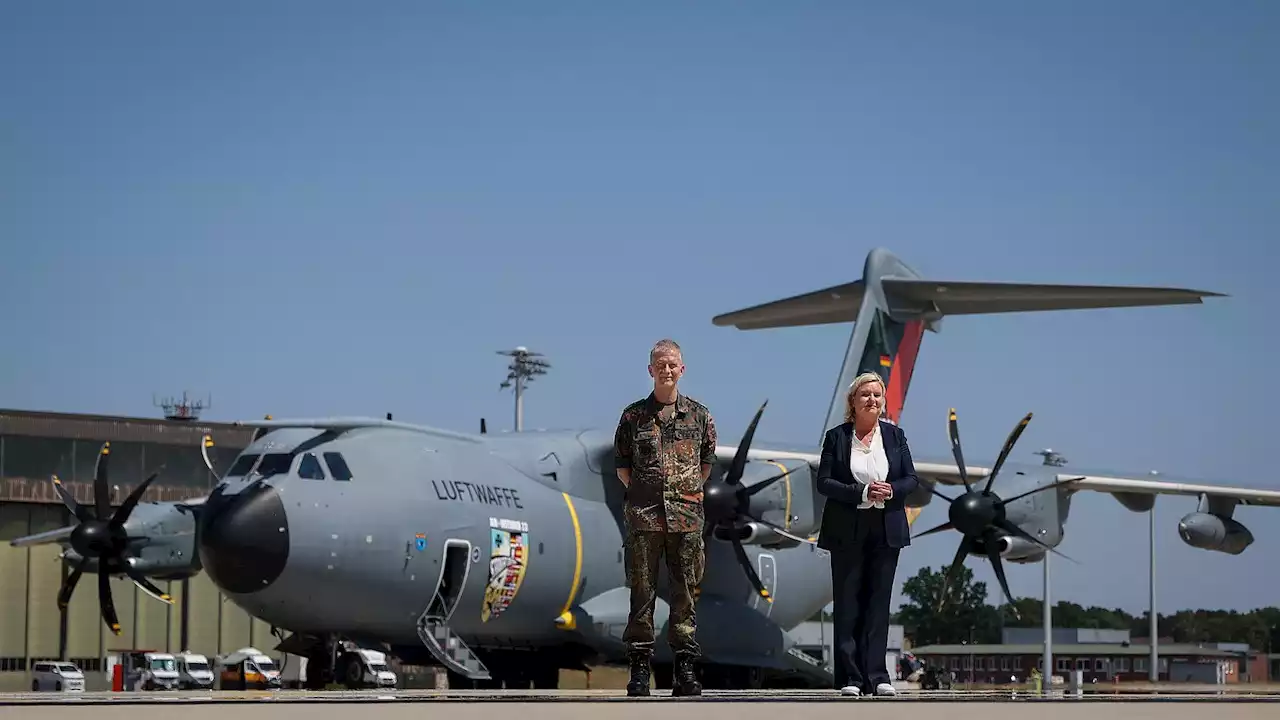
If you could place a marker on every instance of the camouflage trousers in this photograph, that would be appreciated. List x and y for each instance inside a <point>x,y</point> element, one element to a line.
<point>685,558</point>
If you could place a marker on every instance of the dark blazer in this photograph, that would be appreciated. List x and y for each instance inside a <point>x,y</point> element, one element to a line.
<point>841,515</point>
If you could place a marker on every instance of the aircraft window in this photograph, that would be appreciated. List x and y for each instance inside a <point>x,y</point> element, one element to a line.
<point>242,465</point>
<point>337,466</point>
<point>309,469</point>
<point>275,464</point>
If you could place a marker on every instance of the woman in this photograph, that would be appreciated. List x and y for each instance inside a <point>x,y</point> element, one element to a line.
<point>866,474</point>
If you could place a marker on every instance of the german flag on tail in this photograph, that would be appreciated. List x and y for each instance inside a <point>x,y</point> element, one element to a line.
<point>886,361</point>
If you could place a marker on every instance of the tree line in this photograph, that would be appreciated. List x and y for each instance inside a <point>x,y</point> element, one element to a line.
<point>966,617</point>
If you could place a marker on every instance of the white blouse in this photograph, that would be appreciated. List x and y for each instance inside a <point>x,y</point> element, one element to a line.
<point>868,464</point>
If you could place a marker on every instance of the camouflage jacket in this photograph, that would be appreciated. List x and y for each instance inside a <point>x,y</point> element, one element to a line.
<point>665,458</point>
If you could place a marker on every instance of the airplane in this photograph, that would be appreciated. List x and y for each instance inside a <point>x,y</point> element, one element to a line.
<point>500,556</point>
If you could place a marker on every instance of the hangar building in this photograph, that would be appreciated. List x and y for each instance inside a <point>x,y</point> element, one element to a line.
<point>35,445</point>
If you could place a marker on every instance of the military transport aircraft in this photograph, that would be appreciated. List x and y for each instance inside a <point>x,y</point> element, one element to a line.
<point>500,557</point>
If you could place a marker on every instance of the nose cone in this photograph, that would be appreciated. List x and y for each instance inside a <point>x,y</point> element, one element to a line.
<point>244,538</point>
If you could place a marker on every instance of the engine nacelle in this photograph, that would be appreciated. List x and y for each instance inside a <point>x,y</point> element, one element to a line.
<point>753,533</point>
<point>1009,547</point>
<point>1207,531</point>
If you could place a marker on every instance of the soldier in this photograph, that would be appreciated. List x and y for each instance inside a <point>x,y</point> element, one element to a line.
<point>665,446</point>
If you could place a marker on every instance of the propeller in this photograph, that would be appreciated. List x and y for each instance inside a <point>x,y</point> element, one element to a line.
<point>979,515</point>
<point>727,503</point>
<point>100,534</point>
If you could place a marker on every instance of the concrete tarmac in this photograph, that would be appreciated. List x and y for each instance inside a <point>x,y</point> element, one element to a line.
<point>613,704</point>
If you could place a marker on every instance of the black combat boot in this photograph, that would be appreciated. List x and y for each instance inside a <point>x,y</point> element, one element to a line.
<point>639,684</point>
<point>686,681</point>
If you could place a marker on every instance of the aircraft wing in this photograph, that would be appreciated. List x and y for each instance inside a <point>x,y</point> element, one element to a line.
<point>1244,496</point>
<point>932,472</point>
<point>63,534</point>
<point>44,538</point>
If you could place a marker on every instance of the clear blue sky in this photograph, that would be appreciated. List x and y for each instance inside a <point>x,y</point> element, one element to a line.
<point>318,208</point>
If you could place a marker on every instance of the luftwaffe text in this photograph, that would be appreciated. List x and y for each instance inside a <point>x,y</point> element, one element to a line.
<point>460,490</point>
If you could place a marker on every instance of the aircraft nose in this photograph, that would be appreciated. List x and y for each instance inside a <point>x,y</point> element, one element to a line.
<point>244,538</point>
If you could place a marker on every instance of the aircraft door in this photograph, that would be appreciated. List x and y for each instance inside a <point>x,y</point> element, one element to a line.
<point>768,571</point>
<point>452,581</point>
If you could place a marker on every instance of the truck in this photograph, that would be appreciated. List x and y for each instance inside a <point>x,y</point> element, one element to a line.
<point>357,668</point>
<point>194,672</point>
<point>247,669</point>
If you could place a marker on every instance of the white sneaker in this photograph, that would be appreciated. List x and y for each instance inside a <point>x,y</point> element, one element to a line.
<point>886,689</point>
<point>851,690</point>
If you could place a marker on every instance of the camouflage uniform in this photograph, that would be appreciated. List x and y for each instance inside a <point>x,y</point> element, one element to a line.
<point>665,448</point>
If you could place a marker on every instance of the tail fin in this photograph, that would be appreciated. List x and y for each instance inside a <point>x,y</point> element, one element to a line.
<point>892,306</point>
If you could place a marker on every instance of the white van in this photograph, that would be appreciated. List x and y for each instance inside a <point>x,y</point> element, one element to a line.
<point>194,671</point>
<point>160,672</point>
<point>56,676</point>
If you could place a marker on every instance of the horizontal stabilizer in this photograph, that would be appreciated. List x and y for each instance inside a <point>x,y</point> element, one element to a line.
<point>932,299</point>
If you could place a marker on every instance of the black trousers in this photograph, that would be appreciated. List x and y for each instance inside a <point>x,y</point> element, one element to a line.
<point>862,573</point>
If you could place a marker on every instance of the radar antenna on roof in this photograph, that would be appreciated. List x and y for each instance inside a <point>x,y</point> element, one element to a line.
<point>183,410</point>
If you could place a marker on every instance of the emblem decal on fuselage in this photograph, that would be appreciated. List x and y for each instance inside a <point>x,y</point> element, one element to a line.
<point>420,541</point>
<point>508,554</point>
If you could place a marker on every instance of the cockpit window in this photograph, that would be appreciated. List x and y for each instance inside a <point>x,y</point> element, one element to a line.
<point>272,464</point>
<point>337,466</point>
<point>242,465</point>
<point>309,468</point>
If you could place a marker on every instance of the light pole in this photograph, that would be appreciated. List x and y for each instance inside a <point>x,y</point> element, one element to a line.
<point>1046,660</point>
<point>1051,459</point>
<point>1153,672</point>
<point>524,367</point>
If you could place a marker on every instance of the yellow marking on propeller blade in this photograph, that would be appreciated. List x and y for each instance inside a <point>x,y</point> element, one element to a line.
<point>106,448</point>
<point>115,628</point>
<point>765,594</point>
<point>566,621</point>
<point>208,441</point>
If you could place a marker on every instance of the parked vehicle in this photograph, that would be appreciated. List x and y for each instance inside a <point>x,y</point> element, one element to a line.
<point>56,676</point>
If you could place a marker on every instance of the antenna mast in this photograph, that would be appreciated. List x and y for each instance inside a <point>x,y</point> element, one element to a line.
<point>183,410</point>
<point>525,366</point>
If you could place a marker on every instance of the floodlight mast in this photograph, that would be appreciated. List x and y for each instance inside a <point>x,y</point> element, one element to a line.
<point>525,366</point>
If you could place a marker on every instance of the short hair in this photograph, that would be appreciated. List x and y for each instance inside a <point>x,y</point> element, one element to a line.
<point>664,345</point>
<point>863,379</point>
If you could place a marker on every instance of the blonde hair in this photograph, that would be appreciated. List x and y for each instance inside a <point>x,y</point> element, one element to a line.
<point>863,379</point>
<point>662,346</point>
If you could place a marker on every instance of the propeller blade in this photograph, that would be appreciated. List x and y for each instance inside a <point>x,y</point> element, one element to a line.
<point>1042,488</point>
<point>101,493</point>
<point>1008,448</point>
<point>145,585</point>
<point>751,491</point>
<point>956,562</point>
<point>994,556</point>
<point>953,431</point>
<point>741,552</point>
<point>1013,529</point>
<point>944,526</point>
<point>81,512</point>
<point>739,463</point>
<point>483,428</point>
<point>69,585</point>
<point>105,601</point>
<point>934,490</point>
<point>123,512</point>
